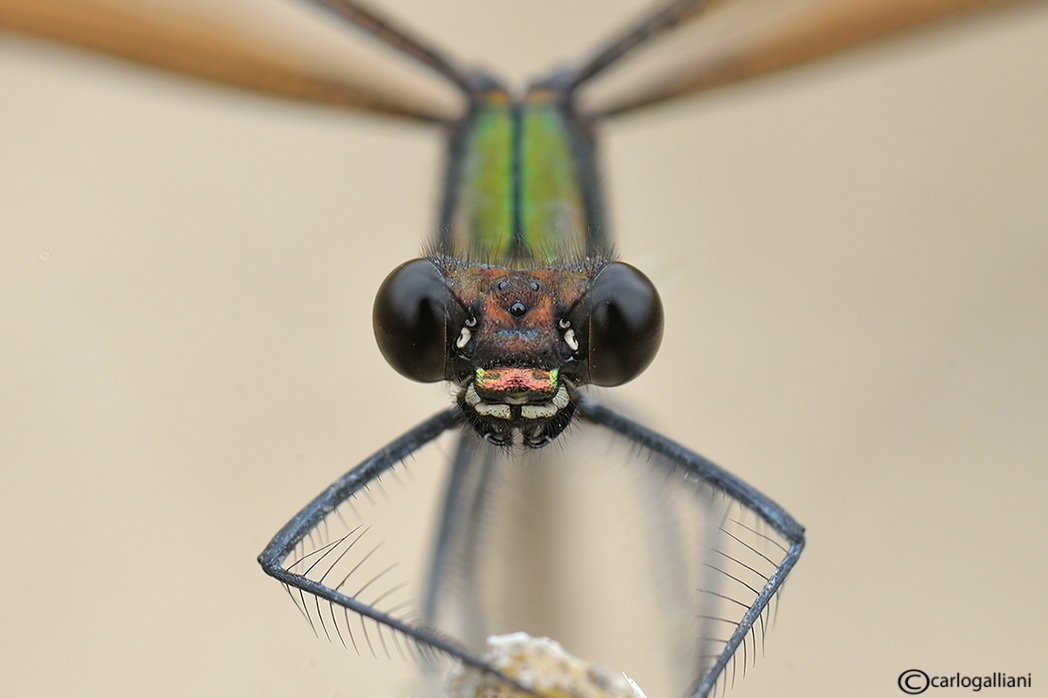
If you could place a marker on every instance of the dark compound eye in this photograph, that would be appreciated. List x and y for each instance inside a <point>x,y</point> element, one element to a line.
<point>625,324</point>
<point>410,321</point>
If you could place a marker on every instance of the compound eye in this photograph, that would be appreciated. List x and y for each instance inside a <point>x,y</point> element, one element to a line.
<point>625,325</point>
<point>410,320</point>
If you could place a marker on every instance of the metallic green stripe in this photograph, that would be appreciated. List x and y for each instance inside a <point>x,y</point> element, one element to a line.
<point>483,220</point>
<point>553,215</point>
<point>519,199</point>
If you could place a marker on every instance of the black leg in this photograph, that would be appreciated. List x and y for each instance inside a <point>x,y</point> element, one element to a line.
<point>398,38</point>
<point>426,641</point>
<point>655,24</point>
<point>746,496</point>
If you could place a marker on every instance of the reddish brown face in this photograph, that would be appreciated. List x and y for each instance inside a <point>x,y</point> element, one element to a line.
<point>518,342</point>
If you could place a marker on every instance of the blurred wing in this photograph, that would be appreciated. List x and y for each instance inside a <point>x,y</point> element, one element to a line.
<point>622,556</point>
<point>277,49</point>
<point>736,40</point>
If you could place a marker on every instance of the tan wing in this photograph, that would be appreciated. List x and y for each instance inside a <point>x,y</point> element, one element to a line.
<point>736,40</point>
<point>279,49</point>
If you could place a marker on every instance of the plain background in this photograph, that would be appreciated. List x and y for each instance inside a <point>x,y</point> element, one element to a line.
<point>854,262</point>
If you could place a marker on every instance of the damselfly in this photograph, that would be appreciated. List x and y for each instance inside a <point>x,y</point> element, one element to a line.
<point>519,307</point>
<point>557,94</point>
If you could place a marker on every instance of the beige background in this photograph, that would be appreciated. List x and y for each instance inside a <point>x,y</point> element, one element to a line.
<point>853,262</point>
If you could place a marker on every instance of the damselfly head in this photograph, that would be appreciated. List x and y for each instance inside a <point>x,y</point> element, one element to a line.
<point>518,343</point>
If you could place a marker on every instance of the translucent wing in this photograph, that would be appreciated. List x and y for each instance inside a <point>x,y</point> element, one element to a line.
<point>623,556</point>
<point>723,42</point>
<point>281,49</point>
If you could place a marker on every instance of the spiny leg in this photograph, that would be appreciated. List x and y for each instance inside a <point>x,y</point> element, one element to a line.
<point>747,497</point>
<point>426,641</point>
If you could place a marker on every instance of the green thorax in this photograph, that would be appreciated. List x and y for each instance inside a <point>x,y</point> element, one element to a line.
<point>522,189</point>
